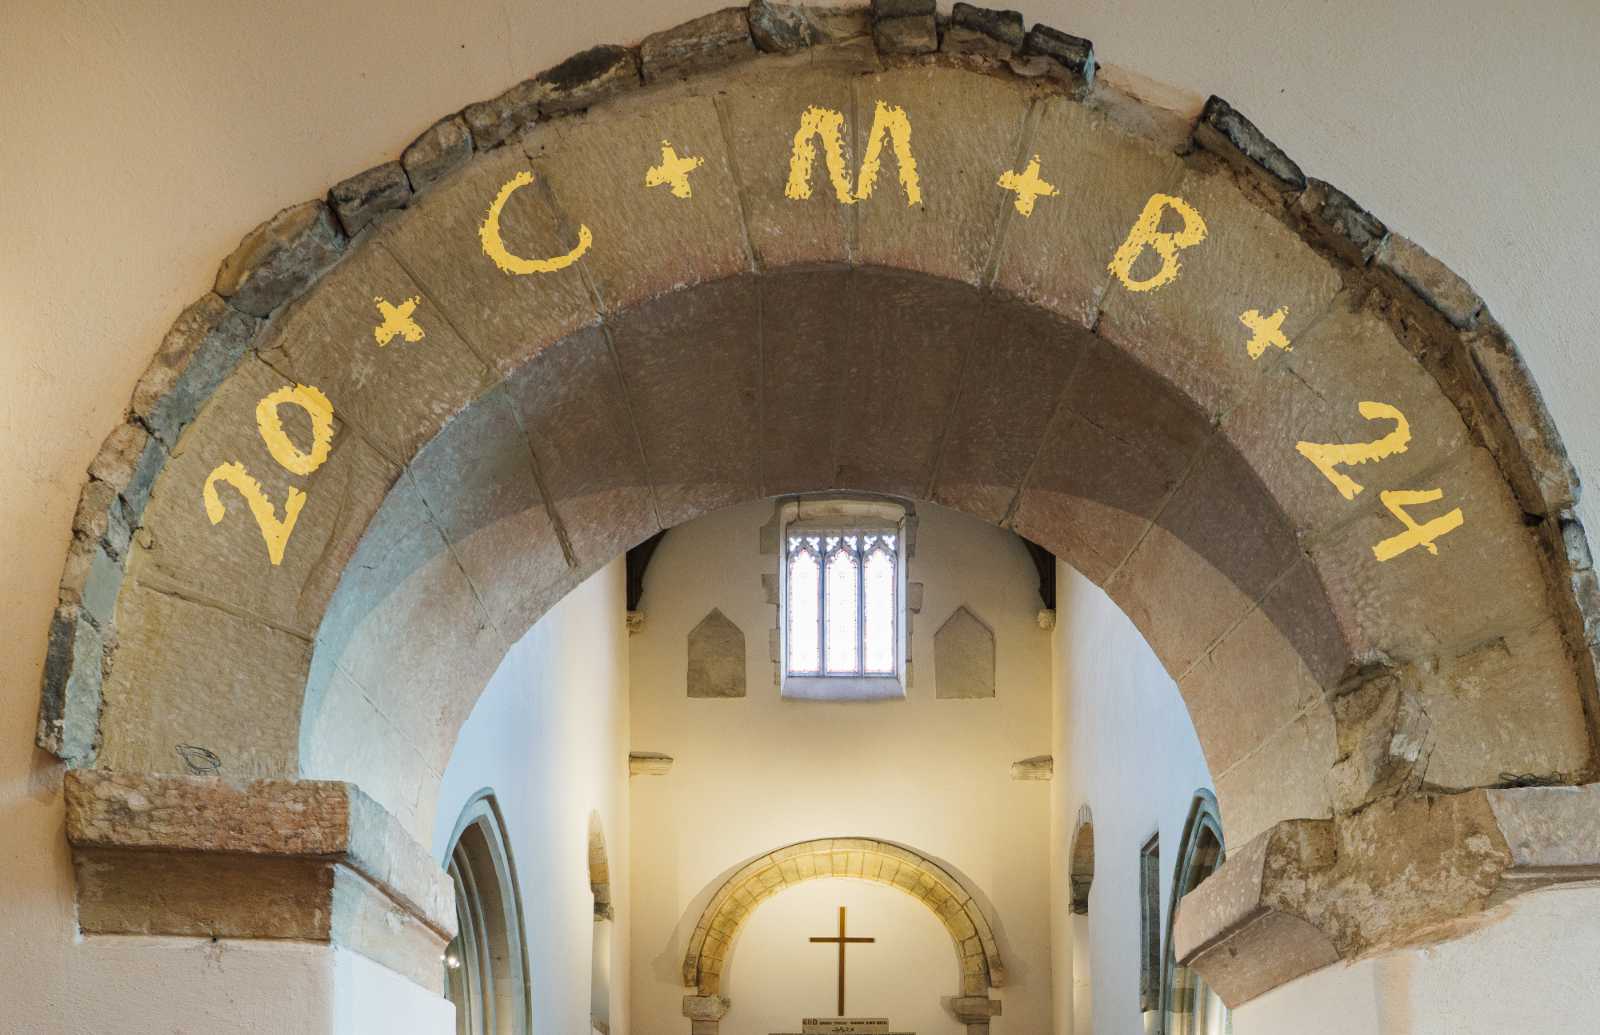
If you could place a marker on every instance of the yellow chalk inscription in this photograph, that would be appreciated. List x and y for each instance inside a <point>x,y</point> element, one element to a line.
<point>275,532</point>
<point>282,448</point>
<point>889,123</point>
<point>495,248</point>
<point>1415,535</point>
<point>1328,456</point>
<point>1265,331</point>
<point>1028,185</point>
<point>397,321</point>
<point>673,171</point>
<point>1166,244</point>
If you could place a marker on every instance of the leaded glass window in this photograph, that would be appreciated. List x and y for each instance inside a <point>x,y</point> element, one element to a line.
<point>842,605</point>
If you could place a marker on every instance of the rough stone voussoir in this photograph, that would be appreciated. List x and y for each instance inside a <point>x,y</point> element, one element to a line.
<point>1436,284</point>
<point>1070,57</point>
<point>1225,132</point>
<point>100,518</point>
<point>440,148</point>
<point>201,349</point>
<point>983,31</point>
<point>588,77</point>
<point>280,258</point>
<point>69,700</point>
<point>129,461</point>
<point>1512,388</point>
<point>1579,557</point>
<point>498,119</point>
<point>705,43</point>
<point>368,195</point>
<point>905,26</point>
<point>1340,223</point>
<point>780,28</point>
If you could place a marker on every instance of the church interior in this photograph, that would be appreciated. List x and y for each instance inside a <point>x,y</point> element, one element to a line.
<point>799,519</point>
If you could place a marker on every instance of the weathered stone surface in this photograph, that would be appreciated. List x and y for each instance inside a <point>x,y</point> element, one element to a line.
<point>1072,56</point>
<point>1039,767</point>
<point>1286,777</point>
<point>129,461</point>
<point>1538,442</point>
<point>1350,230</point>
<point>498,119</point>
<point>905,26</point>
<point>982,31</point>
<point>960,121</point>
<point>963,657</point>
<point>705,1007</point>
<point>203,347</point>
<point>587,78</point>
<point>69,700</point>
<point>705,43</point>
<point>716,658</point>
<point>366,196</point>
<point>785,28</point>
<point>280,258</point>
<point>690,240</point>
<point>101,519</point>
<point>800,392</point>
<point>1553,832</point>
<point>1434,282</point>
<point>1225,132</point>
<point>1057,256</point>
<point>442,147</point>
<point>509,317</point>
<point>975,1009</point>
<point>649,763</point>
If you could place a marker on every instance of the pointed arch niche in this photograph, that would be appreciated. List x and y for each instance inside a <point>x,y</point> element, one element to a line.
<point>413,414</point>
<point>950,898</point>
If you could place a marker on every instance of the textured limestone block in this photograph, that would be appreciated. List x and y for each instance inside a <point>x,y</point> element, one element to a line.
<point>1511,385</point>
<point>499,119</point>
<point>649,763</point>
<point>716,658</point>
<point>202,348</point>
<point>963,657</point>
<point>801,391</point>
<point>1224,131</point>
<point>69,701</point>
<point>786,28</point>
<point>1340,222</point>
<point>1039,767</point>
<point>982,31</point>
<point>511,317</point>
<point>588,78</point>
<point>705,43</point>
<point>442,147</point>
<point>129,461</point>
<point>366,196</point>
<point>1433,281</point>
<point>280,258</point>
<point>1286,778</point>
<point>905,26</point>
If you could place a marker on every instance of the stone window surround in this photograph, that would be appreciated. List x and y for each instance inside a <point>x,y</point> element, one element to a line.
<point>1205,820</point>
<point>834,510</point>
<point>489,914</point>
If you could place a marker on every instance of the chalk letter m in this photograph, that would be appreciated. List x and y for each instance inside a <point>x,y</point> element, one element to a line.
<point>888,121</point>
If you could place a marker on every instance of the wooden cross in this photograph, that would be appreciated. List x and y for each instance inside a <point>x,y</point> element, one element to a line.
<point>842,942</point>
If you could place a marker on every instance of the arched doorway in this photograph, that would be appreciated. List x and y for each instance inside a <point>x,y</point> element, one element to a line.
<point>1287,442</point>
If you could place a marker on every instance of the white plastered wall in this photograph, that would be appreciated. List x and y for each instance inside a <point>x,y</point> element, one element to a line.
<point>756,773</point>
<point>550,737</point>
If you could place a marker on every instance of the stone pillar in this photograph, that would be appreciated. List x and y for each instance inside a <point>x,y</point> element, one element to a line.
<point>974,1011</point>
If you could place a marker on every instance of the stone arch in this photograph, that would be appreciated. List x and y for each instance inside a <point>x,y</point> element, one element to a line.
<point>882,862</point>
<point>1080,866</point>
<point>1131,399</point>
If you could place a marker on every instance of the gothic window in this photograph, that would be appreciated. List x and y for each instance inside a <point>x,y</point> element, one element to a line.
<point>486,967</point>
<point>843,606</point>
<point>1192,1008</point>
<point>1150,927</point>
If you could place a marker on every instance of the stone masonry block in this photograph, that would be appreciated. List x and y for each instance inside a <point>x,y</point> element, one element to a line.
<point>705,43</point>
<point>202,348</point>
<point>905,26</point>
<point>1071,56</point>
<point>983,31</point>
<point>498,119</point>
<point>69,704</point>
<point>1433,282</point>
<point>588,78</point>
<point>716,658</point>
<point>442,147</point>
<point>280,258</point>
<point>1350,230</point>
<point>963,657</point>
<point>365,196</point>
<point>1224,131</point>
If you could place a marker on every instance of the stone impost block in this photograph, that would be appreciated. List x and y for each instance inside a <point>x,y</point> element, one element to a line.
<point>1225,132</point>
<point>1433,282</point>
<point>498,119</point>
<point>975,1009</point>
<point>587,78</point>
<point>1339,222</point>
<point>366,196</point>
<point>705,43</point>
<point>311,860</point>
<point>1039,767</point>
<point>648,763</point>
<point>1072,56</point>
<point>983,31</point>
<point>280,258</point>
<point>203,346</point>
<point>905,26</point>
<point>705,1007</point>
<point>441,147</point>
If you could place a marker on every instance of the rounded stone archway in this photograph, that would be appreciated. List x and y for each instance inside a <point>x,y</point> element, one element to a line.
<point>858,858</point>
<point>652,282</point>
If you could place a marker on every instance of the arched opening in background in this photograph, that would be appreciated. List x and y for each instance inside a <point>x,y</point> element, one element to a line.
<point>1080,880</point>
<point>604,915</point>
<point>486,967</point>
<point>1191,1006</point>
